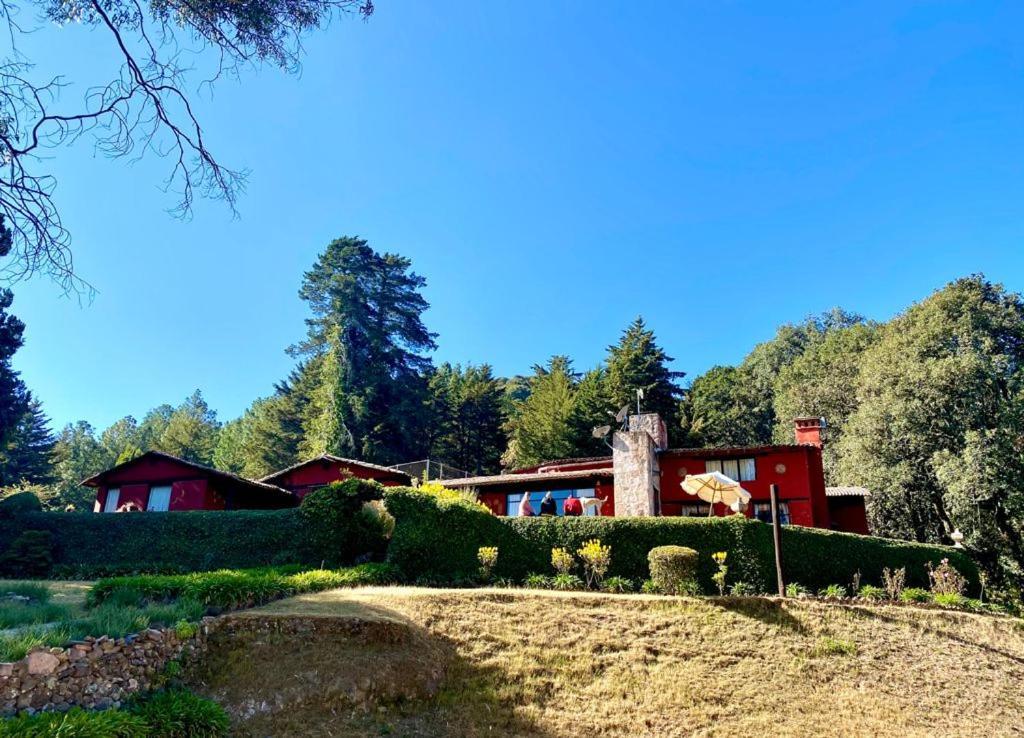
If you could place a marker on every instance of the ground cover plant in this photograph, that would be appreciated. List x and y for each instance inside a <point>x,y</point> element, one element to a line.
<point>167,714</point>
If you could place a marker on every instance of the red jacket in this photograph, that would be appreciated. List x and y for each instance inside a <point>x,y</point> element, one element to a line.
<point>573,506</point>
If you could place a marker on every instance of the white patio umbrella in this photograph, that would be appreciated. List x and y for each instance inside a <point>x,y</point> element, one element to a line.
<point>715,487</point>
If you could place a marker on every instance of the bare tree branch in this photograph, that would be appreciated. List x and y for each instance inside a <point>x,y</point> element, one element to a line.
<point>144,109</point>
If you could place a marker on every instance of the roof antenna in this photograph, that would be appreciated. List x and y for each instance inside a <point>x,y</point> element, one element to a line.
<point>602,432</point>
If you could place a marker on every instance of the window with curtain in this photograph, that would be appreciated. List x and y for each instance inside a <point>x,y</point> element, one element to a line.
<point>742,470</point>
<point>763,512</point>
<point>113,497</point>
<point>159,499</point>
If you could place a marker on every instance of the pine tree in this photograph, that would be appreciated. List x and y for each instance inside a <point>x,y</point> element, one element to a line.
<point>191,431</point>
<point>368,338</point>
<point>544,425</point>
<point>637,362</point>
<point>466,417</point>
<point>28,456</point>
<point>78,454</point>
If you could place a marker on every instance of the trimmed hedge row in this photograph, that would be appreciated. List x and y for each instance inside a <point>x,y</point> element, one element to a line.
<point>88,544</point>
<point>329,528</point>
<point>436,539</point>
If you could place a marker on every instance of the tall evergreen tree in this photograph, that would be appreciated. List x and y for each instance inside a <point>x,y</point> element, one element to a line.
<point>191,431</point>
<point>28,456</point>
<point>78,454</point>
<point>466,417</point>
<point>637,362</point>
<point>367,335</point>
<point>543,426</point>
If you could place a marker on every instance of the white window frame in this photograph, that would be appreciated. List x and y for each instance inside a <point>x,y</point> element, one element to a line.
<point>166,501</point>
<point>113,499</point>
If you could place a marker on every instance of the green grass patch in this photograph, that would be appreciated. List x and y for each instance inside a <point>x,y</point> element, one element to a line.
<point>170,714</point>
<point>15,614</point>
<point>829,646</point>
<point>39,594</point>
<point>231,589</point>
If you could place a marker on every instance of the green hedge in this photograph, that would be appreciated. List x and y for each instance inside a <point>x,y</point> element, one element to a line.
<point>437,538</point>
<point>91,545</point>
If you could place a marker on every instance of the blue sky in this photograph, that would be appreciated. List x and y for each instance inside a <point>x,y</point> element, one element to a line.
<point>553,170</point>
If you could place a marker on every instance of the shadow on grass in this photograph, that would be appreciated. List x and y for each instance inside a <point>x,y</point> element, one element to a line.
<point>363,670</point>
<point>770,612</point>
<point>872,613</point>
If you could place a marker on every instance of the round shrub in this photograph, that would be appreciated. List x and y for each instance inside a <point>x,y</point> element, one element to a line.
<point>30,555</point>
<point>18,504</point>
<point>672,567</point>
<point>341,526</point>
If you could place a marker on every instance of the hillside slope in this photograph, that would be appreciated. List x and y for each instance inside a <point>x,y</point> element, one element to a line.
<point>545,664</point>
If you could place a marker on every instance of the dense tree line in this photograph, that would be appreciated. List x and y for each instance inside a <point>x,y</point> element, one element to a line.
<point>927,410</point>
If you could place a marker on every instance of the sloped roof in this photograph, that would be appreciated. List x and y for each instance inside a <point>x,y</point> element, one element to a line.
<point>96,479</point>
<point>847,492</point>
<point>500,479</point>
<point>335,459</point>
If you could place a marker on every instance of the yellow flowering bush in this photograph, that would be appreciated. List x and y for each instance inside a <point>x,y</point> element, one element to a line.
<point>562,560</point>
<point>488,558</point>
<point>596,560</point>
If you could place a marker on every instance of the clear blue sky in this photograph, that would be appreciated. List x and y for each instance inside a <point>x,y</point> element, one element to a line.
<point>553,170</point>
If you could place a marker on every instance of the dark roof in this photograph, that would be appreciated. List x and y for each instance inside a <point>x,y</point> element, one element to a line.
<point>95,479</point>
<point>337,459</point>
<point>513,479</point>
<point>736,450</point>
<point>557,462</point>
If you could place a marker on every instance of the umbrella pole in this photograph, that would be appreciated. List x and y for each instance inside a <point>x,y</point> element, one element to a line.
<point>711,505</point>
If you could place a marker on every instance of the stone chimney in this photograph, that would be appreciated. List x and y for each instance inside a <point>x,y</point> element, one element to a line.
<point>635,465</point>
<point>808,431</point>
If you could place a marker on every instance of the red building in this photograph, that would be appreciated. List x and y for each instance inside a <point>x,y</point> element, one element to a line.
<point>306,476</point>
<point>159,482</point>
<point>652,474</point>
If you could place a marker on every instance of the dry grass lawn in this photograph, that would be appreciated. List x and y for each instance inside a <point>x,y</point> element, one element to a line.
<point>528,663</point>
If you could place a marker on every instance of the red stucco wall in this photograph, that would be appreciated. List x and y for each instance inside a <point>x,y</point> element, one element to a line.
<point>849,514</point>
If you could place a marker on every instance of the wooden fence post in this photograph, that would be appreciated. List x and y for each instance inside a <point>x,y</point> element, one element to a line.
<point>777,537</point>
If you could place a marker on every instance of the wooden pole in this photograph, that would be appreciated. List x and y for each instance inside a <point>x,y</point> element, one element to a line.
<point>777,537</point>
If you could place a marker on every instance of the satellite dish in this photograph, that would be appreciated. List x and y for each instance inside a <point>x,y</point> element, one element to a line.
<point>621,415</point>
<point>601,431</point>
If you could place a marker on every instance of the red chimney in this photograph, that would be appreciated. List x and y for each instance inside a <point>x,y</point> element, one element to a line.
<point>808,431</point>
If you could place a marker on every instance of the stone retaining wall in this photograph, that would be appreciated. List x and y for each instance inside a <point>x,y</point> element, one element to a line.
<point>95,673</point>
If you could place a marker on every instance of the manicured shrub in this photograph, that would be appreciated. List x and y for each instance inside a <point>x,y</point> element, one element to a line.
<point>29,556</point>
<point>89,545</point>
<point>437,536</point>
<point>18,504</point>
<point>340,524</point>
<point>672,567</point>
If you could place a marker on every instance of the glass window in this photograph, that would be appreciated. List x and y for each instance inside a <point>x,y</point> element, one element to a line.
<point>113,497</point>
<point>694,510</point>
<point>159,499</point>
<point>741,470</point>
<point>763,512</point>
<point>513,501</point>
